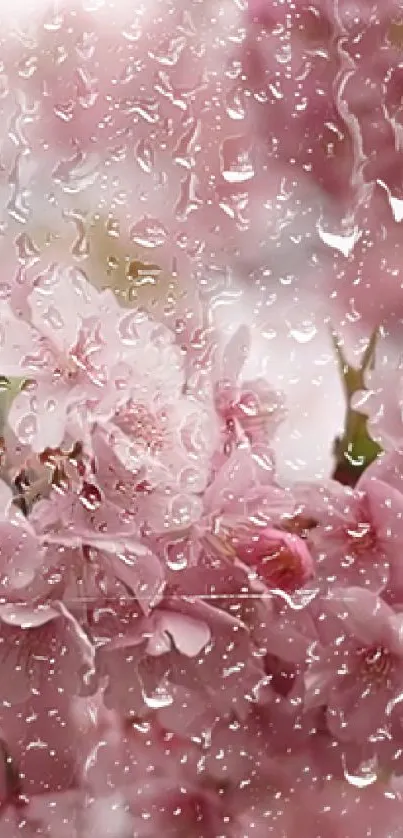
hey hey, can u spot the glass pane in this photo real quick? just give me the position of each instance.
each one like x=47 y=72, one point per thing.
x=201 y=503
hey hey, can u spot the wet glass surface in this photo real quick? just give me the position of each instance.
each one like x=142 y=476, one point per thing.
x=201 y=497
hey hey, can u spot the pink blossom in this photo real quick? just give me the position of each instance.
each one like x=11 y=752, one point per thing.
x=279 y=559
x=28 y=634
x=86 y=374
x=246 y=515
x=70 y=350
x=188 y=661
x=241 y=499
x=357 y=672
x=340 y=810
x=159 y=432
x=57 y=813
x=70 y=547
x=22 y=553
x=152 y=510
x=250 y=409
x=357 y=534
x=280 y=633
x=46 y=658
x=382 y=403
x=165 y=768
x=88 y=556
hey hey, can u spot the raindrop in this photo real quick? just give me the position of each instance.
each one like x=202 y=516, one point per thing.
x=5 y=385
x=149 y=233
x=236 y=165
x=90 y=496
x=5 y=290
x=87 y=93
x=80 y=247
x=343 y=242
x=158 y=699
x=175 y=554
x=28 y=66
x=366 y=774
x=304 y=332
x=188 y=199
x=145 y=155
x=53 y=317
x=169 y=51
x=235 y=105
x=186 y=146
x=140 y=274
x=27 y=428
x=27 y=251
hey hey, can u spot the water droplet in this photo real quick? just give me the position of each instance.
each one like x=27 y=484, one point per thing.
x=364 y=775
x=5 y=290
x=188 y=198
x=27 y=429
x=27 y=251
x=53 y=317
x=304 y=332
x=158 y=699
x=87 y=93
x=128 y=328
x=183 y=153
x=169 y=52
x=28 y=66
x=236 y=165
x=343 y=242
x=145 y=155
x=90 y=496
x=112 y=227
x=140 y=274
x=80 y=247
x=235 y=104
x=148 y=232
x=5 y=385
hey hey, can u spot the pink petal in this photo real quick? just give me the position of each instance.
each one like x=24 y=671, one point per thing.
x=235 y=354
x=364 y=614
x=59 y=302
x=136 y=566
x=26 y=617
x=39 y=418
x=189 y=636
x=18 y=341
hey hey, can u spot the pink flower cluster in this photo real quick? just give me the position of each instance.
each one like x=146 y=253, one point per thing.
x=206 y=632
x=188 y=644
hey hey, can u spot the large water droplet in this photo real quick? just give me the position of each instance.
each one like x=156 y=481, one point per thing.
x=236 y=164
x=145 y=155
x=148 y=232
x=90 y=496
x=303 y=332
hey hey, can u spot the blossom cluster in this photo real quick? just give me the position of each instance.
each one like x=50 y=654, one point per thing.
x=160 y=584
x=189 y=643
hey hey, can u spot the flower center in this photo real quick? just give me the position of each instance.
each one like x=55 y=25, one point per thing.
x=376 y=664
x=85 y=352
x=137 y=421
x=362 y=537
x=280 y=568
